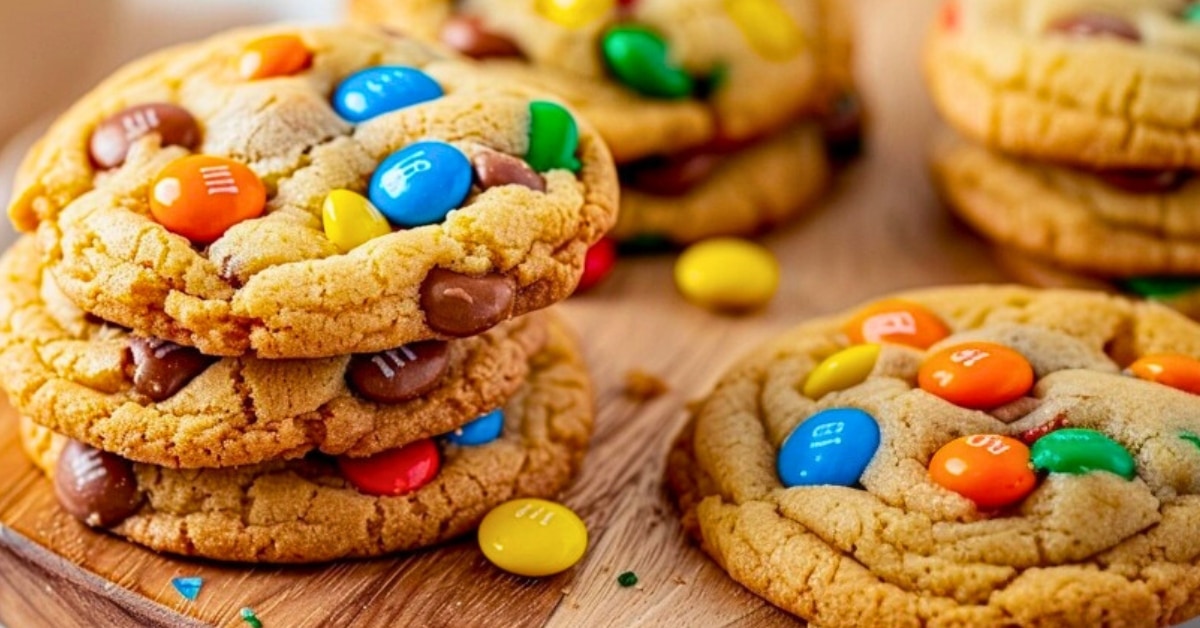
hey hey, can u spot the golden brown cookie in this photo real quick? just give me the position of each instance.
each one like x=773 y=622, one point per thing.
x=1077 y=219
x=319 y=508
x=164 y=404
x=1097 y=84
x=1001 y=456
x=706 y=105
x=188 y=197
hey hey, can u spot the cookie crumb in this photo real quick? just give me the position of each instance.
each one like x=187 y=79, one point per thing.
x=249 y=617
x=677 y=579
x=627 y=579
x=643 y=386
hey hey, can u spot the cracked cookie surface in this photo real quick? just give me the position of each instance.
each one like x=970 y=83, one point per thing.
x=1097 y=84
x=76 y=376
x=1103 y=545
x=277 y=285
x=306 y=511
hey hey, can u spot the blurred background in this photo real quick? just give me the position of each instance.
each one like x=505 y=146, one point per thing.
x=53 y=51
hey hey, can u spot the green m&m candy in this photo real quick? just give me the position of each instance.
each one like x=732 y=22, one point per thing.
x=640 y=59
x=1078 y=451
x=553 y=138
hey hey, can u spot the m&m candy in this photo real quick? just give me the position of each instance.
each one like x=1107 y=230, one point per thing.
x=598 y=263
x=898 y=322
x=573 y=13
x=727 y=274
x=278 y=55
x=110 y=142
x=1169 y=369
x=481 y=431
x=976 y=375
x=991 y=470
x=768 y=28
x=831 y=447
x=640 y=59
x=553 y=138
x=532 y=537
x=350 y=220
x=841 y=370
x=421 y=183
x=395 y=471
x=199 y=196
x=375 y=91
x=1078 y=451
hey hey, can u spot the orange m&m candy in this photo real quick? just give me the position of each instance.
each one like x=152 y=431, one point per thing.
x=896 y=321
x=200 y=196
x=278 y=55
x=976 y=375
x=1169 y=369
x=992 y=471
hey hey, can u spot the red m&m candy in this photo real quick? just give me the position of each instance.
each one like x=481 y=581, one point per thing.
x=200 y=196
x=395 y=471
x=896 y=321
x=1169 y=369
x=977 y=375
x=598 y=264
x=992 y=471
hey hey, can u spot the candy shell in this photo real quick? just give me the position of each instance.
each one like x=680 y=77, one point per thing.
x=727 y=274
x=598 y=263
x=532 y=537
x=395 y=471
x=200 y=197
x=1078 y=451
x=976 y=375
x=1169 y=369
x=553 y=138
x=831 y=447
x=278 y=55
x=421 y=183
x=898 y=322
x=573 y=13
x=350 y=219
x=375 y=91
x=481 y=431
x=639 y=58
x=846 y=368
x=768 y=27
x=988 y=469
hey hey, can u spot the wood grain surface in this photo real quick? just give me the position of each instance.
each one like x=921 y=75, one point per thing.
x=881 y=230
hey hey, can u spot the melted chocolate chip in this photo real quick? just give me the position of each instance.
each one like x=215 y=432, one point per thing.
x=842 y=127
x=96 y=487
x=110 y=141
x=467 y=35
x=1096 y=25
x=671 y=176
x=1146 y=181
x=461 y=305
x=399 y=374
x=494 y=168
x=161 y=368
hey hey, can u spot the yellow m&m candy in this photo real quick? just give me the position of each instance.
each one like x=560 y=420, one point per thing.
x=532 y=537
x=573 y=13
x=841 y=370
x=767 y=27
x=350 y=219
x=727 y=274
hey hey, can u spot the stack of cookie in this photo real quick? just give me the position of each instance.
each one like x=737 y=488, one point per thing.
x=281 y=300
x=1079 y=135
x=721 y=115
x=972 y=456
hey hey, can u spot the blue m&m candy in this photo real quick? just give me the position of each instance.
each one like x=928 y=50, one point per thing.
x=481 y=431
x=379 y=90
x=420 y=184
x=831 y=447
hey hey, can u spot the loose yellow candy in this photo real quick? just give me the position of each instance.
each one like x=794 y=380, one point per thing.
x=841 y=370
x=532 y=537
x=727 y=274
x=768 y=27
x=350 y=219
x=574 y=13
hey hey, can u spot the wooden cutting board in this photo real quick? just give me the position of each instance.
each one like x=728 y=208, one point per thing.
x=882 y=230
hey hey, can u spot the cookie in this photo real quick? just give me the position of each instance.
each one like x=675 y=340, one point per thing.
x=697 y=100
x=972 y=455
x=359 y=192
x=155 y=402
x=320 y=508
x=1103 y=225
x=1112 y=85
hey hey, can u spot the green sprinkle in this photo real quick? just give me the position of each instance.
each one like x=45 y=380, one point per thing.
x=249 y=617
x=1192 y=14
x=1160 y=287
x=627 y=579
x=1191 y=438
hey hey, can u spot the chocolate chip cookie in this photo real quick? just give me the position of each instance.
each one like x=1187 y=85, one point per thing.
x=692 y=97
x=153 y=401
x=975 y=455
x=321 y=508
x=313 y=192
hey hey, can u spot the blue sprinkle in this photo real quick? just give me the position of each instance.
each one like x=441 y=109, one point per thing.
x=188 y=587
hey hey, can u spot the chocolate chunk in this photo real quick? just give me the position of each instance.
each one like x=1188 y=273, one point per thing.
x=96 y=487
x=1096 y=25
x=1146 y=181
x=161 y=368
x=494 y=168
x=842 y=127
x=399 y=374
x=467 y=35
x=461 y=305
x=110 y=141
x=671 y=176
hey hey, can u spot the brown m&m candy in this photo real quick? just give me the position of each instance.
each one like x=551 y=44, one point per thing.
x=399 y=374
x=161 y=368
x=467 y=35
x=110 y=141
x=671 y=176
x=461 y=305
x=1146 y=181
x=493 y=168
x=1096 y=25
x=94 y=486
